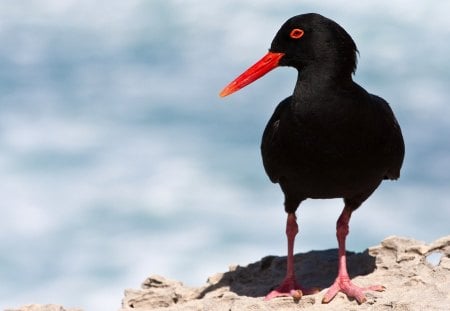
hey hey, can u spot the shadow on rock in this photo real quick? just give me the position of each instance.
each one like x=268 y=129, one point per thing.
x=313 y=269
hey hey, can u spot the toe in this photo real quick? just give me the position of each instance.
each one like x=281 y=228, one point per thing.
x=351 y=290
x=296 y=294
x=331 y=293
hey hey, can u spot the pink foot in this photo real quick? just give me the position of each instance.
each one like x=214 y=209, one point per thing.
x=344 y=285
x=290 y=288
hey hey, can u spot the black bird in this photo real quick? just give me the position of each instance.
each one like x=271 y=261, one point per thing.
x=329 y=139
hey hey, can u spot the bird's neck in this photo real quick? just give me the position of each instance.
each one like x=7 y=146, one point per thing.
x=313 y=81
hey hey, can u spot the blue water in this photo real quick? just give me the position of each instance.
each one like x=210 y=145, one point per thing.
x=118 y=159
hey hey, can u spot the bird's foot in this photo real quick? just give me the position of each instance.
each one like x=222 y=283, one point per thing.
x=290 y=288
x=344 y=285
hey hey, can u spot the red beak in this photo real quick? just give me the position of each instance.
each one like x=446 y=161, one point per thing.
x=263 y=66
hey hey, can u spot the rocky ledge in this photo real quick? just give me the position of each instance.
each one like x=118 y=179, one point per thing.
x=416 y=276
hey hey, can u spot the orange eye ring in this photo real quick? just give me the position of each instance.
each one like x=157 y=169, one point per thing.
x=296 y=33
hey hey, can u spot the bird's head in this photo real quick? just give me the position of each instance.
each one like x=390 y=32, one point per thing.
x=304 y=41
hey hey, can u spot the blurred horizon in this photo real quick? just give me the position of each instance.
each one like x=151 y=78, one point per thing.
x=118 y=159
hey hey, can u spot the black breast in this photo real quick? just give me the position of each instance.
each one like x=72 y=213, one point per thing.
x=331 y=148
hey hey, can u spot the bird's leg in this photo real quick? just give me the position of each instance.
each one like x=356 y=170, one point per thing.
x=342 y=282
x=289 y=286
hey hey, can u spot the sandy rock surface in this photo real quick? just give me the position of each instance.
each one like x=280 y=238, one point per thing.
x=416 y=277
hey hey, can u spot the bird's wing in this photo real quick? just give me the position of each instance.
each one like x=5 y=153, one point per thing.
x=395 y=146
x=270 y=145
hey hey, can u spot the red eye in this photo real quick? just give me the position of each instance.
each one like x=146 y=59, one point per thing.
x=296 y=33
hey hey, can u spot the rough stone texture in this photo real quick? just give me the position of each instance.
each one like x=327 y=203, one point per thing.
x=416 y=275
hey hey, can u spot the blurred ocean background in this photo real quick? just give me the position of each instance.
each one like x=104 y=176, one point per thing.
x=118 y=159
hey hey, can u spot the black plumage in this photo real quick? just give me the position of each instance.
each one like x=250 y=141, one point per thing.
x=330 y=138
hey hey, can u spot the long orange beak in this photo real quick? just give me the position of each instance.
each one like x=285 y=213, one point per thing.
x=263 y=66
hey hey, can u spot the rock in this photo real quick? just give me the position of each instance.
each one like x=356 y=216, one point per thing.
x=416 y=276
x=400 y=264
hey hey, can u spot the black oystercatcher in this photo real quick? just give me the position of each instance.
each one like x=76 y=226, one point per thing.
x=330 y=139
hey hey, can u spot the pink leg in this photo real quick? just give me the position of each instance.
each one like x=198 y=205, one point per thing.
x=342 y=282
x=289 y=286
